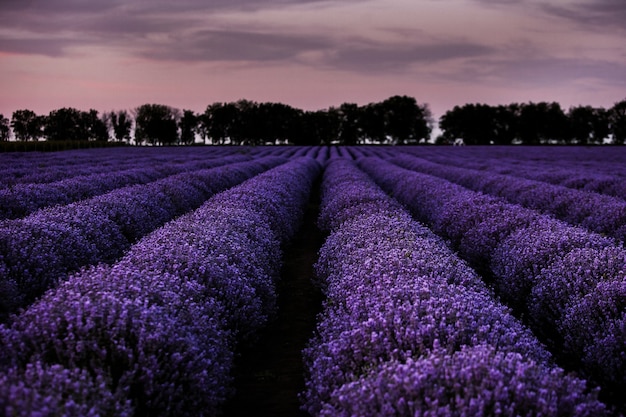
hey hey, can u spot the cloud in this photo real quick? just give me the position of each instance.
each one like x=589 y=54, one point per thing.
x=46 y=47
x=547 y=72
x=586 y=13
x=193 y=31
x=371 y=56
x=25 y=8
x=596 y=13
x=233 y=45
x=157 y=28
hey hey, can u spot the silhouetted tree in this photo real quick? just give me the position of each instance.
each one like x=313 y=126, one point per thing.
x=349 y=116
x=121 y=124
x=95 y=126
x=319 y=127
x=219 y=120
x=617 y=122
x=474 y=123
x=244 y=130
x=188 y=125
x=505 y=124
x=4 y=128
x=601 y=125
x=588 y=125
x=66 y=123
x=373 y=123
x=156 y=124
x=543 y=122
x=405 y=121
x=276 y=122
x=27 y=125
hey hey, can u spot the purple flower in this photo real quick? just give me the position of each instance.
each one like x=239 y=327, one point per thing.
x=569 y=279
x=594 y=329
x=474 y=381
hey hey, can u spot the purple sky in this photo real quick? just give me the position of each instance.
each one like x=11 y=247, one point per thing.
x=112 y=54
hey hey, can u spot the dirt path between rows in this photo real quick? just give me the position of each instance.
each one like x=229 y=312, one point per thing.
x=269 y=375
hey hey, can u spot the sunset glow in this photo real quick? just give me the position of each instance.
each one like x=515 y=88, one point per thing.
x=111 y=55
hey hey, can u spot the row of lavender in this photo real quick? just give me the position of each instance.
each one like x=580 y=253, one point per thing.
x=39 y=250
x=600 y=175
x=572 y=157
x=599 y=213
x=567 y=282
x=24 y=199
x=409 y=329
x=24 y=168
x=155 y=333
x=19 y=169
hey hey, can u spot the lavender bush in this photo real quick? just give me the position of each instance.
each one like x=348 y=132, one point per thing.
x=39 y=250
x=474 y=381
x=518 y=259
x=570 y=278
x=594 y=328
x=43 y=390
x=158 y=330
x=397 y=294
x=598 y=213
x=21 y=200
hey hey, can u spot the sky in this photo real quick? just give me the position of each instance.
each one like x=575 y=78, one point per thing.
x=311 y=54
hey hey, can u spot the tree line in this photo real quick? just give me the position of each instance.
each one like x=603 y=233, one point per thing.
x=396 y=120
x=533 y=124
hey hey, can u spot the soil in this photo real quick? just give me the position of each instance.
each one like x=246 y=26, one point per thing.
x=269 y=375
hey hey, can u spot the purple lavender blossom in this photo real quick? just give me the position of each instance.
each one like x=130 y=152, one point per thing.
x=475 y=381
x=395 y=292
x=594 y=328
x=151 y=349
x=156 y=330
x=55 y=390
x=569 y=279
x=23 y=199
x=518 y=260
x=44 y=247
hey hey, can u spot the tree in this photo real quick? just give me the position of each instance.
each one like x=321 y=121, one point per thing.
x=27 y=125
x=349 y=116
x=188 y=125
x=405 y=121
x=474 y=123
x=94 y=126
x=319 y=127
x=543 y=122
x=275 y=122
x=372 y=121
x=505 y=124
x=4 y=128
x=121 y=124
x=588 y=125
x=244 y=129
x=601 y=125
x=66 y=123
x=617 y=122
x=156 y=124
x=219 y=120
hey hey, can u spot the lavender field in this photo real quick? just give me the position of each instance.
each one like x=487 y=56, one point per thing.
x=313 y=281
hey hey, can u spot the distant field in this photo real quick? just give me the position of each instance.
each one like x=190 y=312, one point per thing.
x=324 y=281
